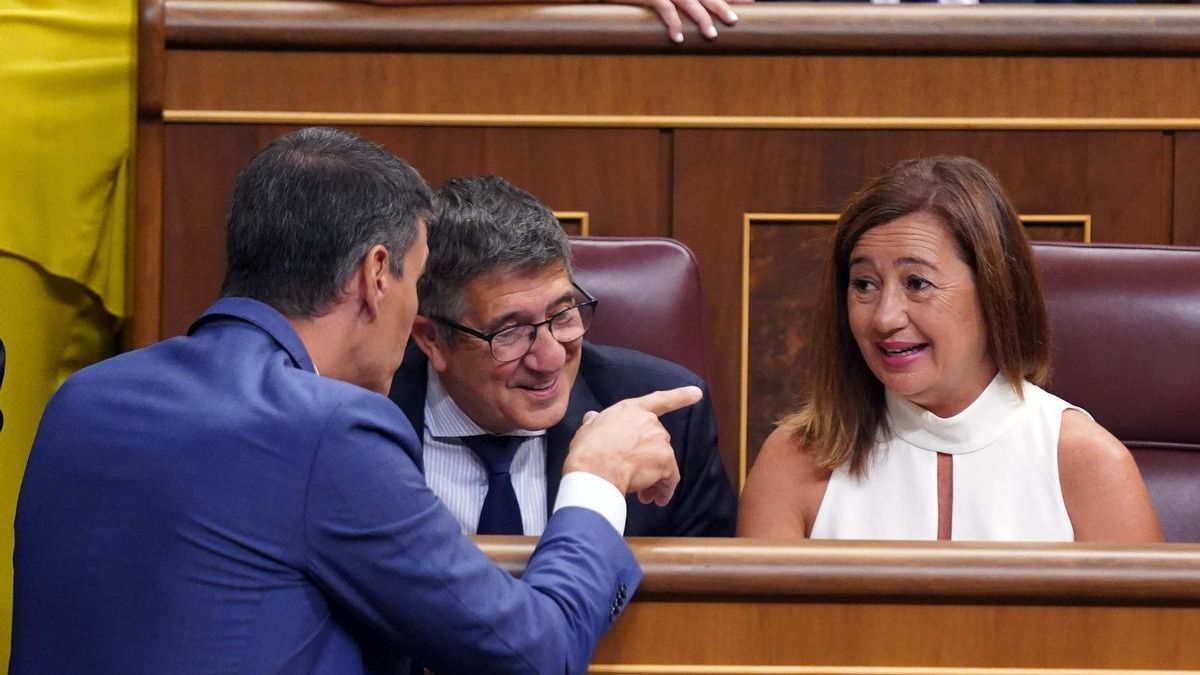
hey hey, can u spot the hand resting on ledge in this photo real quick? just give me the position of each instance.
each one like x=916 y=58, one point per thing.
x=669 y=11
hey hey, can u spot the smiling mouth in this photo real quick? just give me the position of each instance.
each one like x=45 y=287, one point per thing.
x=539 y=387
x=905 y=351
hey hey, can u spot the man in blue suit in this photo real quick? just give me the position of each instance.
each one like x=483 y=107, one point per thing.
x=501 y=351
x=245 y=499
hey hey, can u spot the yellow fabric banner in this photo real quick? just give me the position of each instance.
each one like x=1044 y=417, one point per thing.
x=67 y=93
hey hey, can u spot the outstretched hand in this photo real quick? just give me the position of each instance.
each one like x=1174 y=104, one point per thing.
x=626 y=444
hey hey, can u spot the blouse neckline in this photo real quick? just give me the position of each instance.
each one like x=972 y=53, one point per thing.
x=976 y=427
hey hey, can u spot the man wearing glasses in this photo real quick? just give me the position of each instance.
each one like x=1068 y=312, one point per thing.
x=245 y=498
x=502 y=379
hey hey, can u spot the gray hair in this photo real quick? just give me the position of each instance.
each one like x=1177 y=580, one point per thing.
x=483 y=225
x=306 y=210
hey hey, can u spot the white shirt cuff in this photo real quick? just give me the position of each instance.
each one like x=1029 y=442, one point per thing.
x=589 y=491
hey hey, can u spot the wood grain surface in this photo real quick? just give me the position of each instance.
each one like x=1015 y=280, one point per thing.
x=764 y=28
x=902 y=605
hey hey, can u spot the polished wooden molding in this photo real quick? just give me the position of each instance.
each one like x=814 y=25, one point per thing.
x=152 y=58
x=1163 y=574
x=1081 y=220
x=145 y=246
x=184 y=116
x=576 y=223
x=783 y=28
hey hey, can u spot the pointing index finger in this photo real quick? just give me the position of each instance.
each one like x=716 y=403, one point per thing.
x=663 y=402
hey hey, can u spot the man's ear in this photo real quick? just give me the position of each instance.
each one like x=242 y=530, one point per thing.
x=373 y=279
x=425 y=334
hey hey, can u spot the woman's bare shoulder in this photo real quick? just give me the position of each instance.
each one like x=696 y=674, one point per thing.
x=783 y=490
x=1103 y=490
x=1081 y=440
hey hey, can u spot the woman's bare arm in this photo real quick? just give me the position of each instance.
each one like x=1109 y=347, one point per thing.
x=1102 y=487
x=782 y=492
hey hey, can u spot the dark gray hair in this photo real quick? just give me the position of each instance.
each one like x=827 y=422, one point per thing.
x=306 y=210
x=483 y=225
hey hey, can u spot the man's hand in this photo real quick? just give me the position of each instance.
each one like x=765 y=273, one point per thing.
x=700 y=11
x=626 y=445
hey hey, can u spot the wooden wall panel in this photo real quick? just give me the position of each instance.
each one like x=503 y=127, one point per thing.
x=766 y=28
x=682 y=84
x=199 y=166
x=1121 y=180
x=785 y=271
x=590 y=109
x=845 y=635
x=616 y=177
x=877 y=608
x=1187 y=189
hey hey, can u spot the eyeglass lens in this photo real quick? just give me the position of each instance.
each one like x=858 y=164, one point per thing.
x=566 y=326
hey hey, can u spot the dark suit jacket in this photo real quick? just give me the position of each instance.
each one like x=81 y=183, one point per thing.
x=704 y=503
x=210 y=505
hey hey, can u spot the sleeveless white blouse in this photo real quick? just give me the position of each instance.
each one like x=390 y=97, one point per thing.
x=1005 y=473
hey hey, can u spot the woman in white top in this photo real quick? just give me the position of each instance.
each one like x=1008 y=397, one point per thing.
x=924 y=418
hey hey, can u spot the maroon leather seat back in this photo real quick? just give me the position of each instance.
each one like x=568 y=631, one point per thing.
x=650 y=298
x=1125 y=324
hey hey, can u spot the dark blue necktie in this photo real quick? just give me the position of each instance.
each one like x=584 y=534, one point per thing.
x=501 y=514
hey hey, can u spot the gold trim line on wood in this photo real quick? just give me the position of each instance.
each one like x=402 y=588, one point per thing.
x=744 y=354
x=678 y=121
x=1048 y=219
x=750 y=218
x=699 y=669
x=583 y=217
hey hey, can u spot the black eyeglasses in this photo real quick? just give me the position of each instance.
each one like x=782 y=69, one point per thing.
x=514 y=342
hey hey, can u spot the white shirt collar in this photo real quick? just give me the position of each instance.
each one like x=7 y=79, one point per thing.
x=444 y=419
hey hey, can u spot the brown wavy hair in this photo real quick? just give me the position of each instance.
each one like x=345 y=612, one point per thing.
x=844 y=411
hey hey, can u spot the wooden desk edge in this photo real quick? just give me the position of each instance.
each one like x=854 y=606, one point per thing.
x=799 y=28
x=1164 y=574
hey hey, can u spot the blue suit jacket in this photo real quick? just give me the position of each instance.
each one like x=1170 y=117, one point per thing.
x=210 y=505
x=704 y=504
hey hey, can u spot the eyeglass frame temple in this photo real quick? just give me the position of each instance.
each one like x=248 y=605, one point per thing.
x=592 y=301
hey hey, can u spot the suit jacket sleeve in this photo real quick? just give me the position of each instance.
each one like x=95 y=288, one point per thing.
x=708 y=505
x=381 y=544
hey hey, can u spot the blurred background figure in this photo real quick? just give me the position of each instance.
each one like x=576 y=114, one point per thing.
x=924 y=417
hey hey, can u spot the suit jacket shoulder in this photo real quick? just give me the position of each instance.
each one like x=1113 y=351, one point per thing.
x=263 y=518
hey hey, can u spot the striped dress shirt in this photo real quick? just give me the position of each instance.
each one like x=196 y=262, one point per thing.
x=457 y=476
